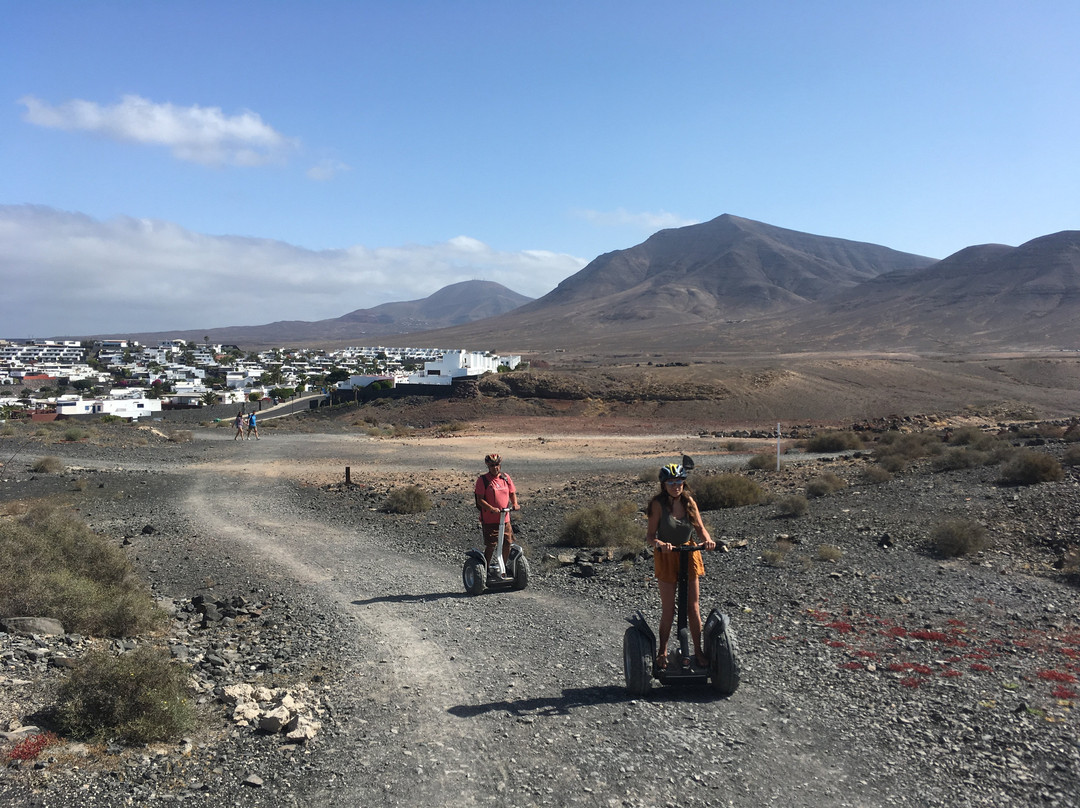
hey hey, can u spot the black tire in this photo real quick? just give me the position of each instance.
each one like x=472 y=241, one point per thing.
x=637 y=666
x=473 y=576
x=724 y=668
x=521 y=572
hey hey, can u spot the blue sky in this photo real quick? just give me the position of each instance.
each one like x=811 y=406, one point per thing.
x=181 y=165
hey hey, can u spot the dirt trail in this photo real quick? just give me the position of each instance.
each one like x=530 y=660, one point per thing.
x=513 y=698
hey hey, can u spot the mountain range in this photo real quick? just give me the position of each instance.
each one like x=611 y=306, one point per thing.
x=452 y=305
x=734 y=284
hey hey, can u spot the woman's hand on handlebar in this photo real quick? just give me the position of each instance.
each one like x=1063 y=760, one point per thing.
x=709 y=543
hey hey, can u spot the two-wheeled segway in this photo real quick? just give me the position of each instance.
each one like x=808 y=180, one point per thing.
x=478 y=574
x=718 y=643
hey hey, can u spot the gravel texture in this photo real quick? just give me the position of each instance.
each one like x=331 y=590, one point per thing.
x=887 y=676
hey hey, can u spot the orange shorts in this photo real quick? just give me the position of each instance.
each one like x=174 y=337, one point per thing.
x=666 y=566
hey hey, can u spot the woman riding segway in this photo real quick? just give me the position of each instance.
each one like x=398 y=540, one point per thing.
x=674 y=518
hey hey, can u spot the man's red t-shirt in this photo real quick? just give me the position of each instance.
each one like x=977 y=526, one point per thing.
x=496 y=491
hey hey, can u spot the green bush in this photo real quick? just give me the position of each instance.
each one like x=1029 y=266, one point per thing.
x=138 y=697
x=792 y=507
x=74 y=433
x=727 y=491
x=52 y=565
x=834 y=442
x=603 y=526
x=47 y=465
x=827 y=483
x=411 y=499
x=762 y=462
x=957 y=537
x=1029 y=468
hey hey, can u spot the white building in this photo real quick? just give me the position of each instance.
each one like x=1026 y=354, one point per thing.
x=455 y=364
x=121 y=407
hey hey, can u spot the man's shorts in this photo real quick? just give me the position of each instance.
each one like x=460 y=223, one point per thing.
x=491 y=534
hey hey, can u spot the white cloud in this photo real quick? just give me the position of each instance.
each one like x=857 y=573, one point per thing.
x=326 y=170
x=69 y=274
x=198 y=134
x=645 y=222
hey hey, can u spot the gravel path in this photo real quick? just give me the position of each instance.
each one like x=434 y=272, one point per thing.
x=889 y=677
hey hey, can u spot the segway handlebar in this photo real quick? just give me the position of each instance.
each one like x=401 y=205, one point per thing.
x=686 y=548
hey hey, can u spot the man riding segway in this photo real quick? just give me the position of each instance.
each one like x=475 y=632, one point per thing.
x=502 y=563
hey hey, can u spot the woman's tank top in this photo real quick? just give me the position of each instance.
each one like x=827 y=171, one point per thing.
x=670 y=529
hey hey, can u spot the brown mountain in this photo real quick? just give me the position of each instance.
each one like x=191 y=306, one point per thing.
x=725 y=268
x=988 y=297
x=452 y=305
x=683 y=286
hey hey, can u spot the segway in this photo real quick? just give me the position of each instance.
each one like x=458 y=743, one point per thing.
x=718 y=643
x=478 y=575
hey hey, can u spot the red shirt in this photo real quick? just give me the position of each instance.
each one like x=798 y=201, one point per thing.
x=496 y=491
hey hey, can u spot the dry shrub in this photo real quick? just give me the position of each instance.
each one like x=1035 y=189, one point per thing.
x=766 y=461
x=829 y=552
x=1071 y=456
x=48 y=465
x=961 y=457
x=727 y=491
x=411 y=499
x=974 y=438
x=875 y=475
x=647 y=475
x=778 y=555
x=957 y=537
x=827 y=483
x=907 y=446
x=139 y=697
x=180 y=436
x=792 y=507
x=1029 y=468
x=834 y=442
x=603 y=526
x=1070 y=562
x=53 y=565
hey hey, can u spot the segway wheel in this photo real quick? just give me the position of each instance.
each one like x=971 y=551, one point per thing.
x=637 y=666
x=473 y=576
x=724 y=668
x=521 y=572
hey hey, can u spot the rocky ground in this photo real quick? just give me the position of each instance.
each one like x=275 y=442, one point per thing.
x=874 y=671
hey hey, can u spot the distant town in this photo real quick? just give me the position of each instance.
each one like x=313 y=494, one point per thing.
x=124 y=379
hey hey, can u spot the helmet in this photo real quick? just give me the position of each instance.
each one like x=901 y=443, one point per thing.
x=672 y=471
x=492 y=459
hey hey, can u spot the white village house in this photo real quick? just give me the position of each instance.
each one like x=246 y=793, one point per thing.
x=138 y=407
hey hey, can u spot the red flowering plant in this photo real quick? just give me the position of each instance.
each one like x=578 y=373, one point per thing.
x=32 y=745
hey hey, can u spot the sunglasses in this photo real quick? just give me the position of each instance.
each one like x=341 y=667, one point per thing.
x=674 y=482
